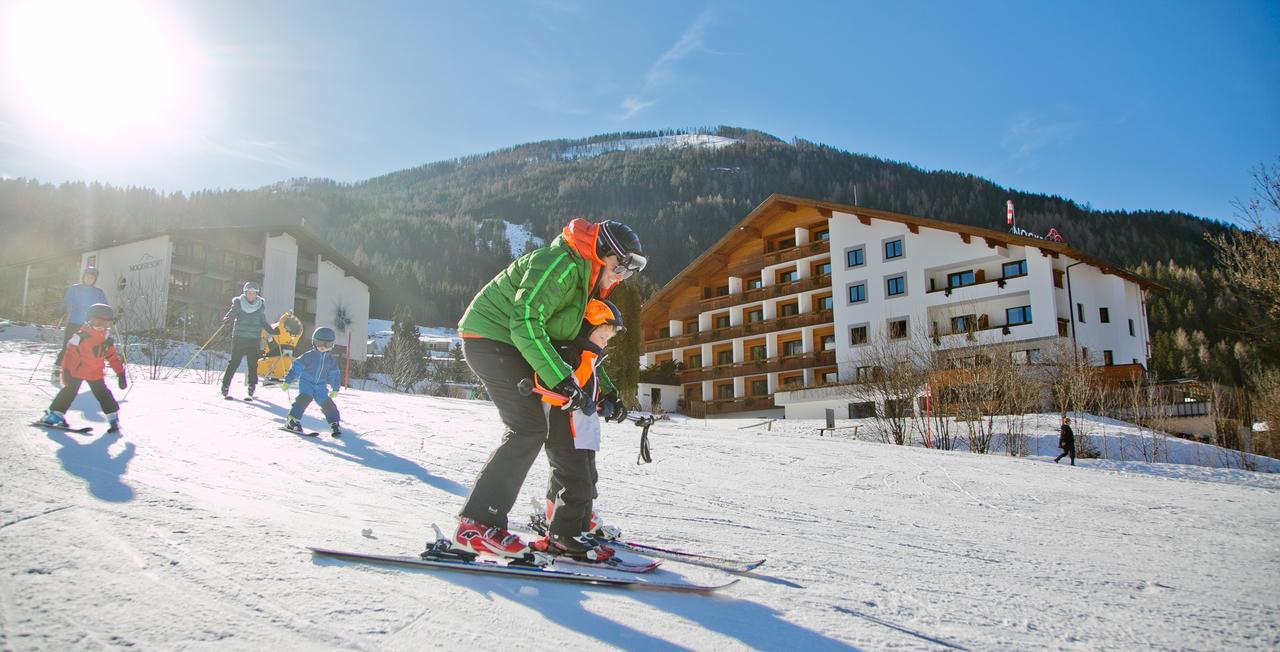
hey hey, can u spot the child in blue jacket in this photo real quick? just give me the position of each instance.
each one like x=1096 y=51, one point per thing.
x=316 y=372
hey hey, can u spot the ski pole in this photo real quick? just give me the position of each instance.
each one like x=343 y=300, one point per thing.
x=202 y=347
x=42 y=352
x=527 y=387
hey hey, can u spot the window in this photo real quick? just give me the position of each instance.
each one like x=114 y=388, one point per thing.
x=695 y=361
x=858 y=335
x=1104 y=315
x=1019 y=315
x=1062 y=328
x=1028 y=356
x=959 y=279
x=665 y=331
x=792 y=382
x=963 y=323
x=1016 y=268
x=855 y=257
x=1057 y=278
x=759 y=352
x=862 y=410
x=691 y=327
x=754 y=315
x=754 y=284
x=1084 y=354
x=722 y=321
x=820 y=269
x=724 y=391
x=789 y=309
x=724 y=357
x=794 y=347
x=1107 y=358
x=1131 y=329
x=863 y=374
x=722 y=291
x=897 y=328
x=858 y=293
x=822 y=236
x=1080 y=312
x=827 y=342
x=787 y=276
x=785 y=243
x=825 y=302
x=759 y=387
x=895 y=286
x=830 y=377
x=893 y=249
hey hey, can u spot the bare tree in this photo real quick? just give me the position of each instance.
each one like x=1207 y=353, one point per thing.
x=890 y=373
x=1076 y=390
x=403 y=358
x=1251 y=258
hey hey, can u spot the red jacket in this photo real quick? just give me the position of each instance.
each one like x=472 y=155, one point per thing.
x=87 y=351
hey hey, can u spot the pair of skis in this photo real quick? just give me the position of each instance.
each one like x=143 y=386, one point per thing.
x=83 y=430
x=444 y=556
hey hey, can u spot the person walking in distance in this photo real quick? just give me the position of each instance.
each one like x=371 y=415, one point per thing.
x=507 y=336
x=1066 y=441
x=249 y=314
x=75 y=303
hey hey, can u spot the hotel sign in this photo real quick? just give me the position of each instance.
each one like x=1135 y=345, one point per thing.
x=1052 y=235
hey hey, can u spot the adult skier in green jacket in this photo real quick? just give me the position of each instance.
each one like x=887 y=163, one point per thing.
x=507 y=336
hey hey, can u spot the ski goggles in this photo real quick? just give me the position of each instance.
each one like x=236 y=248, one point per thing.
x=629 y=264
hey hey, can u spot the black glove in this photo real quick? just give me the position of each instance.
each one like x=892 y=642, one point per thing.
x=612 y=408
x=569 y=389
x=120 y=380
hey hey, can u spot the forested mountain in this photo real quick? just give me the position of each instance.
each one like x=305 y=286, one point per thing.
x=435 y=233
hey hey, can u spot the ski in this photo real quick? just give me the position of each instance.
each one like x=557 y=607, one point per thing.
x=519 y=570
x=300 y=432
x=82 y=430
x=538 y=523
x=635 y=564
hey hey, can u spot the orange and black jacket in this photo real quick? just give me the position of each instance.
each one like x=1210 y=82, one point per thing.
x=88 y=351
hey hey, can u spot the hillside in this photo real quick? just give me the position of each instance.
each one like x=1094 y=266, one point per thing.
x=194 y=536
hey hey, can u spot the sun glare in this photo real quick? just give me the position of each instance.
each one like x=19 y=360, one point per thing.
x=95 y=73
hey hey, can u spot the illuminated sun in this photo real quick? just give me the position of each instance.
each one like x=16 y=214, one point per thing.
x=97 y=71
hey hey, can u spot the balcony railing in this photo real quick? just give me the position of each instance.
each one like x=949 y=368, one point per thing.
x=742 y=330
x=769 y=292
x=701 y=409
x=797 y=252
x=1000 y=280
x=761 y=366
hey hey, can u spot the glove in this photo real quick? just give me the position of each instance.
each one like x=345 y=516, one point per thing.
x=613 y=409
x=122 y=382
x=333 y=393
x=284 y=386
x=569 y=389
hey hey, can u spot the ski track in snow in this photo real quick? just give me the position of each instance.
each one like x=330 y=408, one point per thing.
x=189 y=531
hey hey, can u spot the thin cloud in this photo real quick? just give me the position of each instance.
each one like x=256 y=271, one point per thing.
x=662 y=73
x=1026 y=137
x=268 y=152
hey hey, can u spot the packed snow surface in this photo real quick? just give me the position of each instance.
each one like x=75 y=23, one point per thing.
x=679 y=141
x=190 y=531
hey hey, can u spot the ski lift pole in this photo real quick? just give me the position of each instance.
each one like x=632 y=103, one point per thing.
x=202 y=347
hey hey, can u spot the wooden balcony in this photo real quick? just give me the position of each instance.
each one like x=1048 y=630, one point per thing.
x=999 y=280
x=703 y=409
x=762 y=366
x=768 y=292
x=732 y=332
x=797 y=252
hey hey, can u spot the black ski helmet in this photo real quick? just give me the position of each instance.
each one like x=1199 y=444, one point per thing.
x=323 y=334
x=101 y=310
x=616 y=238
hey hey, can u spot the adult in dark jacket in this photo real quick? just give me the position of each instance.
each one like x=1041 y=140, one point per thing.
x=75 y=304
x=1066 y=441
x=249 y=313
x=507 y=337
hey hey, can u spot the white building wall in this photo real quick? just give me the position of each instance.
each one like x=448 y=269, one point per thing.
x=668 y=396
x=356 y=296
x=335 y=290
x=1094 y=290
x=135 y=278
x=279 y=274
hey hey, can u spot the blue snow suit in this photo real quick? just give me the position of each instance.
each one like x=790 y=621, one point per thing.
x=316 y=373
x=77 y=300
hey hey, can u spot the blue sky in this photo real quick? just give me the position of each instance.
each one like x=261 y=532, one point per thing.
x=1120 y=105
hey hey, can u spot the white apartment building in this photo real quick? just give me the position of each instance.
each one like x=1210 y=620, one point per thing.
x=782 y=312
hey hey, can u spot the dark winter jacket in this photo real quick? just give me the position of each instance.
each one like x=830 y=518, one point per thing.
x=77 y=300
x=87 y=351
x=1066 y=438
x=315 y=372
x=250 y=318
x=540 y=297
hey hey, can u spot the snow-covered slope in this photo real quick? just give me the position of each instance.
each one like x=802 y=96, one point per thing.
x=679 y=141
x=190 y=530
x=435 y=337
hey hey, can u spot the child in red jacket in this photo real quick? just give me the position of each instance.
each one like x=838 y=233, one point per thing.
x=85 y=354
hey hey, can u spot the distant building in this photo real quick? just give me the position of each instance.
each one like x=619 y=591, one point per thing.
x=184 y=279
x=783 y=309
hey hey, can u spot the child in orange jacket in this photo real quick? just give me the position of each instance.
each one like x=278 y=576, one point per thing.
x=83 y=359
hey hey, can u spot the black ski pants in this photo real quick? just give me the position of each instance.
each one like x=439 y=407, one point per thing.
x=500 y=367
x=572 y=486
x=1070 y=450
x=71 y=387
x=243 y=348
x=66 y=337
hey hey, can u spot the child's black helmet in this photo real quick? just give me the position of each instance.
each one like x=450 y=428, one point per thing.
x=324 y=334
x=100 y=310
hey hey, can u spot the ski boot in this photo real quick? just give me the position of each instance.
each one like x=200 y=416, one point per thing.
x=251 y=388
x=293 y=424
x=580 y=548
x=55 y=419
x=225 y=391
x=473 y=536
x=335 y=431
x=113 y=422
